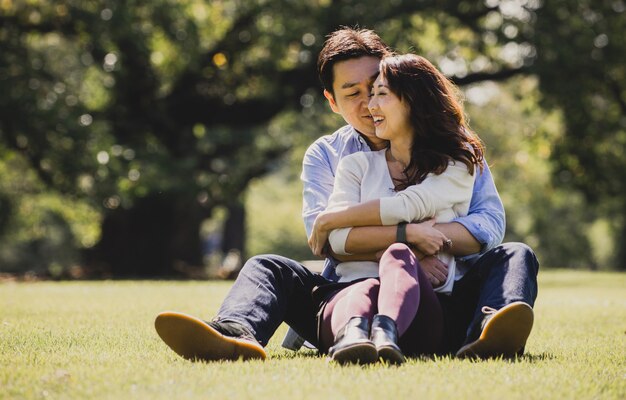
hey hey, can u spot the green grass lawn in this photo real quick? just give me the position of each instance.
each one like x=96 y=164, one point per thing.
x=96 y=340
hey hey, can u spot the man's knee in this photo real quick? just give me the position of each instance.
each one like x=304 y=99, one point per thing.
x=258 y=261
x=517 y=247
x=267 y=264
x=523 y=255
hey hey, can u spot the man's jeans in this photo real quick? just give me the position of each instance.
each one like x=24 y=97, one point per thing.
x=271 y=289
x=503 y=275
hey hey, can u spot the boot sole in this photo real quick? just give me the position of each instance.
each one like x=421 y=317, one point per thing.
x=358 y=353
x=505 y=334
x=390 y=355
x=192 y=339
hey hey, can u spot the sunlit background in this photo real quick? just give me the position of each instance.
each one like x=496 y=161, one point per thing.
x=164 y=137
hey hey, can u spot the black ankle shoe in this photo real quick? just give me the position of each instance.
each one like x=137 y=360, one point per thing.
x=385 y=338
x=352 y=344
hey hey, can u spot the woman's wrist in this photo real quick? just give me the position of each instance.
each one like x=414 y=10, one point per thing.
x=325 y=221
x=414 y=235
x=410 y=233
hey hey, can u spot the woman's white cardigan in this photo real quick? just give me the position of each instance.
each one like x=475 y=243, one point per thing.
x=364 y=176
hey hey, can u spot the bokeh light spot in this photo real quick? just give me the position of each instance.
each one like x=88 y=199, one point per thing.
x=103 y=157
x=134 y=175
x=106 y=14
x=85 y=120
x=220 y=60
x=199 y=131
x=112 y=202
x=308 y=39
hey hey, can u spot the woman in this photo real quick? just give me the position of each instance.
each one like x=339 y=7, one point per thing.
x=427 y=171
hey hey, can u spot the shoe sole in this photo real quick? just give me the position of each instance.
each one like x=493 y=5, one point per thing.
x=390 y=355
x=358 y=353
x=192 y=339
x=505 y=334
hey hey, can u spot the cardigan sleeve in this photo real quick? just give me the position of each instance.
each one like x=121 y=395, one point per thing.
x=346 y=192
x=435 y=193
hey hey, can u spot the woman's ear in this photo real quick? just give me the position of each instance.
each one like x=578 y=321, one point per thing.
x=331 y=100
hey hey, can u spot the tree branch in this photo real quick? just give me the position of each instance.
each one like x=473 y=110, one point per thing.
x=497 y=76
x=615 y=88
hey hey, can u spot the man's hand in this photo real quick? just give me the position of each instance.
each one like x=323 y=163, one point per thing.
x=426 y=238
x=435 y=270
x=319 y=236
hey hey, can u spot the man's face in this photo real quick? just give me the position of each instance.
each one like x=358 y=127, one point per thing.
x=352 y=82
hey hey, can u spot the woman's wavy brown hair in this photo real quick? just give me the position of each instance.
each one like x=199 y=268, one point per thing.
x=441 y=132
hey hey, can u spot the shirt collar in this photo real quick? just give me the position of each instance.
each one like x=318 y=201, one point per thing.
x=360 y=142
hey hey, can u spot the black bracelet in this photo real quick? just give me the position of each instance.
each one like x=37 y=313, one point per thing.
x=401 y=233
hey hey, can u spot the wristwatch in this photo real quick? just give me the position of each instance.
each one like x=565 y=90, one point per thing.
x=401 y=233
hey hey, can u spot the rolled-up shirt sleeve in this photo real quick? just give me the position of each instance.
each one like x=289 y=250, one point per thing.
x=317 y=180
x=450 y=189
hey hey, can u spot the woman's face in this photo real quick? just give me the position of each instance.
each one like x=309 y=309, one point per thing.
x=390 y=114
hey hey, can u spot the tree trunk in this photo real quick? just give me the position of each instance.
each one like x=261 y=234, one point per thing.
x=158 y=236
x=233 y=241
x=620 y=243
x=234 y=229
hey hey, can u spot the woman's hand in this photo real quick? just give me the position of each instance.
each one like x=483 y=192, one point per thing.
x=319 y=235
x=426 y=238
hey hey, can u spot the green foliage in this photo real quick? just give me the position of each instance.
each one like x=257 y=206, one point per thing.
x=97 y=340
x=587 y=80
x=41 y=231
x=132 y=104
x=274 y=206
x=519 y=138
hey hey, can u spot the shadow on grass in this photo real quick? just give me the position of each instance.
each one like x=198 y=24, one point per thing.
x=526 y=358
x=534 y=357
x=292 y=355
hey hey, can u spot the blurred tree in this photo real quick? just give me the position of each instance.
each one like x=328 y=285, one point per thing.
x=581 y=65
x=518 y=135
x=41 y=231
x=157 y=112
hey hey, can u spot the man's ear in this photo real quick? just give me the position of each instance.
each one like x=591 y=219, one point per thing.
x=331 y=100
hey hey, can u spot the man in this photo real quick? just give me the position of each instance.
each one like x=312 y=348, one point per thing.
x=489 y=311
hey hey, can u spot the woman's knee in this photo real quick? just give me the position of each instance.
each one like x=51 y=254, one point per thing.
x=398 y=255
x=358 y=297
x=398 y=247
x=368 y=287
x=398 y=251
